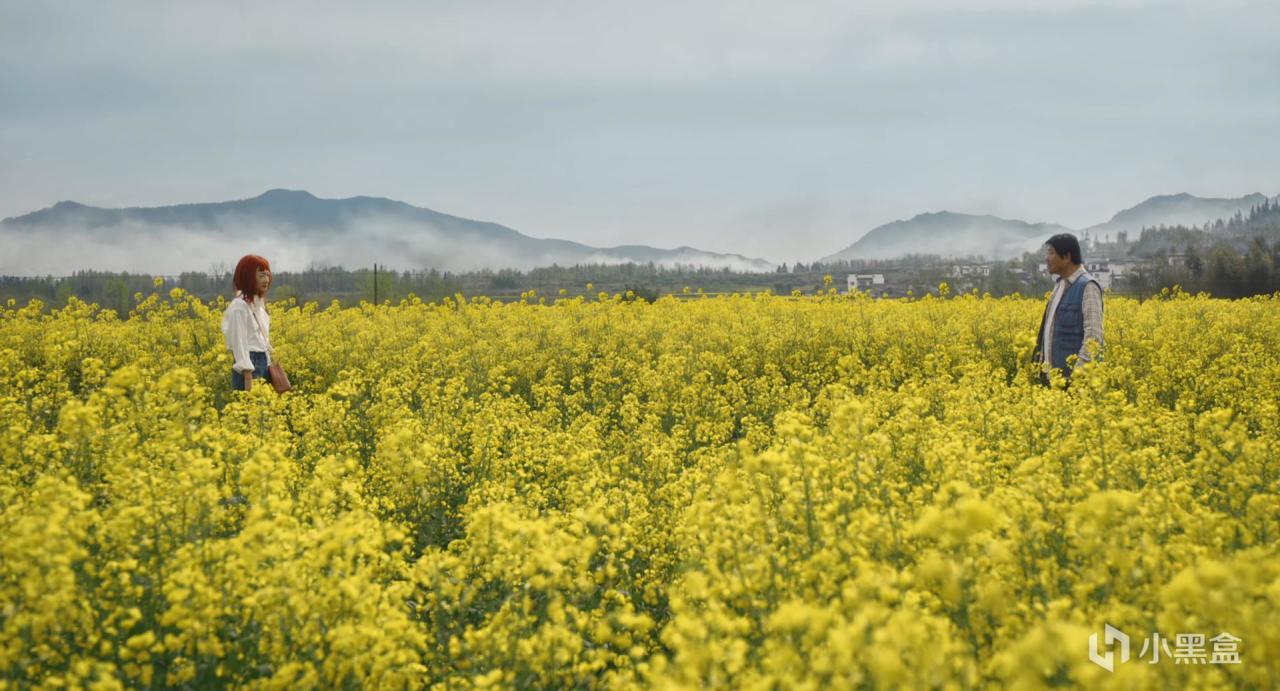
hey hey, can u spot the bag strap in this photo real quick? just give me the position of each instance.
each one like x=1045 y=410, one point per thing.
x=254 y=311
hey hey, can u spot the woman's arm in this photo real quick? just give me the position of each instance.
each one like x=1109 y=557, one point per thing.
x=236 y=326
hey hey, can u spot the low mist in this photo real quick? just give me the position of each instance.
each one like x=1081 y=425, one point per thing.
x=391 y=242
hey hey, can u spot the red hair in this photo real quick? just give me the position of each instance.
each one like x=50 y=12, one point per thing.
x=245 y=279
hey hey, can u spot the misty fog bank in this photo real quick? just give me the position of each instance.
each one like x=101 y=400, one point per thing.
x=389 y=242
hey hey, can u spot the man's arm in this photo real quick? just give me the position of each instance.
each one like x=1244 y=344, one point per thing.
x=1092 y=308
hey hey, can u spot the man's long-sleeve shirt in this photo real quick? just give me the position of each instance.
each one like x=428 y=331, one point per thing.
x=1091 y=306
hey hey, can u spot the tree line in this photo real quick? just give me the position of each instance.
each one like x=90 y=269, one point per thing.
x=1231 y=257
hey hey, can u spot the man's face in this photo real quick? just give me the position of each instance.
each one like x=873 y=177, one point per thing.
x=1053 y=261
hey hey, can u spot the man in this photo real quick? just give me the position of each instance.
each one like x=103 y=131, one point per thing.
x=1073 y=318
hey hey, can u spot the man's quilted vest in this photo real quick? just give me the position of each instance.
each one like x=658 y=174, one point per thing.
x=1068 y=324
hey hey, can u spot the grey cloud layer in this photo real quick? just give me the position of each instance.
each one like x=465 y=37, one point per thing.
x=662 y=123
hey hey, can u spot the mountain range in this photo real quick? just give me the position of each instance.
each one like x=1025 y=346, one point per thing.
x=955 y=234
x=1176 y=210
x=950 y=235
x=304 y=230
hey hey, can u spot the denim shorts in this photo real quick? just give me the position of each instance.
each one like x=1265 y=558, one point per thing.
x=260 y=373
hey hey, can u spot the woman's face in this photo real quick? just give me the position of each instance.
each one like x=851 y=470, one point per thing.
x=264 y=281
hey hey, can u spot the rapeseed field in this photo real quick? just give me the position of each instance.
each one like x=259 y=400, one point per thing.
x=747 y=491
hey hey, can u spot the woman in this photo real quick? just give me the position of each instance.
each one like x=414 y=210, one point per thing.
x=246 y=324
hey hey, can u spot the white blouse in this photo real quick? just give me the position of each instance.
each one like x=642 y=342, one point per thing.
x=241 y=331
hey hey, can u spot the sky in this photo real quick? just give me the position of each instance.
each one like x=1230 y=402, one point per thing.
x=780 y=130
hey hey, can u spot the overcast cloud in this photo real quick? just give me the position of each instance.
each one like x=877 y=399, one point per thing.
x=772 y=129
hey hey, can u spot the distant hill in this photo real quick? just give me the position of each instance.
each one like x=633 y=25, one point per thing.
x=955 y=235
x=1176 y=210
x=300 y=228
x=951 y=235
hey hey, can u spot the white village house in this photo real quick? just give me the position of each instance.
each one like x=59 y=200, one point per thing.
x=1108 y=270
x=1102 y=272
x=864 y=281
x=961 y=270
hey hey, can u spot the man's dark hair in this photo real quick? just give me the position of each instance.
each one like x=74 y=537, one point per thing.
x=1066 y=244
